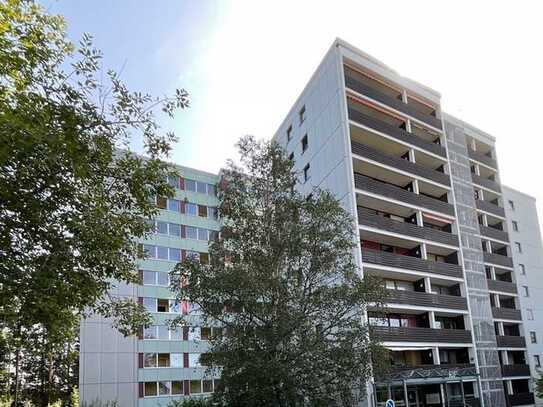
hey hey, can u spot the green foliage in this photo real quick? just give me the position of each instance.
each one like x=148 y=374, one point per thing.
x=73 y=198
x=283 y=283
x=193 y=402
x=539 y=386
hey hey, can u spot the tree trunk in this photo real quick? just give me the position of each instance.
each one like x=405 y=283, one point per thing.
x=17 y=357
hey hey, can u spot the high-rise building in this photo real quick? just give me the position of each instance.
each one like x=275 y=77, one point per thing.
x=424 y=189
x=432 y=220
x=161 y=362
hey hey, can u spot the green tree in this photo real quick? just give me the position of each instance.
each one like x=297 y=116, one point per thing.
x=283 y=284
x=73 y=198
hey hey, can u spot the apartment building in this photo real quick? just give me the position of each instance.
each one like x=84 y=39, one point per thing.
x=523 y=222
x=458 y=252
x=424 y=189
x=161 y=363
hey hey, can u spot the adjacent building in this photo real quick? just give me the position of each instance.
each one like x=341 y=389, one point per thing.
x=459 y=253
x=523 y=222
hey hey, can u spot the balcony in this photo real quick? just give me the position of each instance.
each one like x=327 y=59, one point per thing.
x=482 y=158
x=486 y=183
x=399 y=194
x=502 y=286
x=521 y=399
x=510 y=341
x=397 y=104
x=506 y=313
x=424 y=299
x=401 y=334
x=381 y=258
x=498 y=259
x=494 y=233
x=430 y=371
x=396 y=132
x=399 y=163
x=367 y=218
x=515 y=370
x=490 y=208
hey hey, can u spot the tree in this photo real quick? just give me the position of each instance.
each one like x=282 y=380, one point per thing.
x=539 y=386
x=283 y=284
x=74 y=199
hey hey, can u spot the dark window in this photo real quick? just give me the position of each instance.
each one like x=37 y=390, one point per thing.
x=307 y=173
x=515 y=225
x=291 y=156
x=305 y=143
x=512 y=205
x=533 y=337
x=289 y=133
x=301 y=114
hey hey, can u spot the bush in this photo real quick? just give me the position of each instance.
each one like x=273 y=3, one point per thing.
x=193 y=402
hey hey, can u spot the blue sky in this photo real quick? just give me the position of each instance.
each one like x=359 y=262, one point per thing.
x=245 y=62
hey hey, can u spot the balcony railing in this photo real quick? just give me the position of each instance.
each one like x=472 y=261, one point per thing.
x=498 y=259
x=490 y=208
x=494 y=233
x=397 y=104
x=502 y=286
x=487 y=183
x=381 y=258
x=429 y=371
x=506 y=313
x=521 y=399
x=401 y=334
x=482 y=158
x=424 y=299
x=399 y=194
x=399 y=163
x=509 y=341
x=367 y=218
x=396 y=132
x=515 y=370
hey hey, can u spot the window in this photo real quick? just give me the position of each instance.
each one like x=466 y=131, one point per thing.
x=176 y=360
x=194 y=360
x=515 y=225
x=164 y=388
x=511 y=205
x=177 y=387
x=149 y=250
x=150 y=333
x=149 y=304
x=190 y=185
x=162 y=278
x=525 y=291
x=163 y=305
x=301 y=114
x=207 y=386
x=163 y=360
x=162 y=252
x=522 y=268
x=173 y=205
x=211 y=212
x=289 y=133
x=291 y=156
x=194 y=333
x=174 y=229
x=518 y=247
x=173 y=181
x=202 y=211
x=192 y=232
x=203 y=234
x=162 y=228
x=150 y=389
x=201 y=188
x=161 y=202
x=163 y=332
x=205 y=333
x=529 y=314
x=175 y=254
x=537 y=361
x=176 y=334
x=195 y=386
x=149 y=278
x=307 y=173
x=211 y=190
x=149 y=360
x=305 y=143
x=533 y=337
x=191 y=209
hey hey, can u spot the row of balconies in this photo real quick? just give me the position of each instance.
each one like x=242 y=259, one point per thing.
x=367 y=90
x=367 y=218
x=390 y=191
x=396 y=132
x=482 y=158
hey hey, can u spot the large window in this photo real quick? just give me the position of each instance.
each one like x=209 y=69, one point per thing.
x=200 y=187
x=533 y=337
x=191 y=209
x=160 y=278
